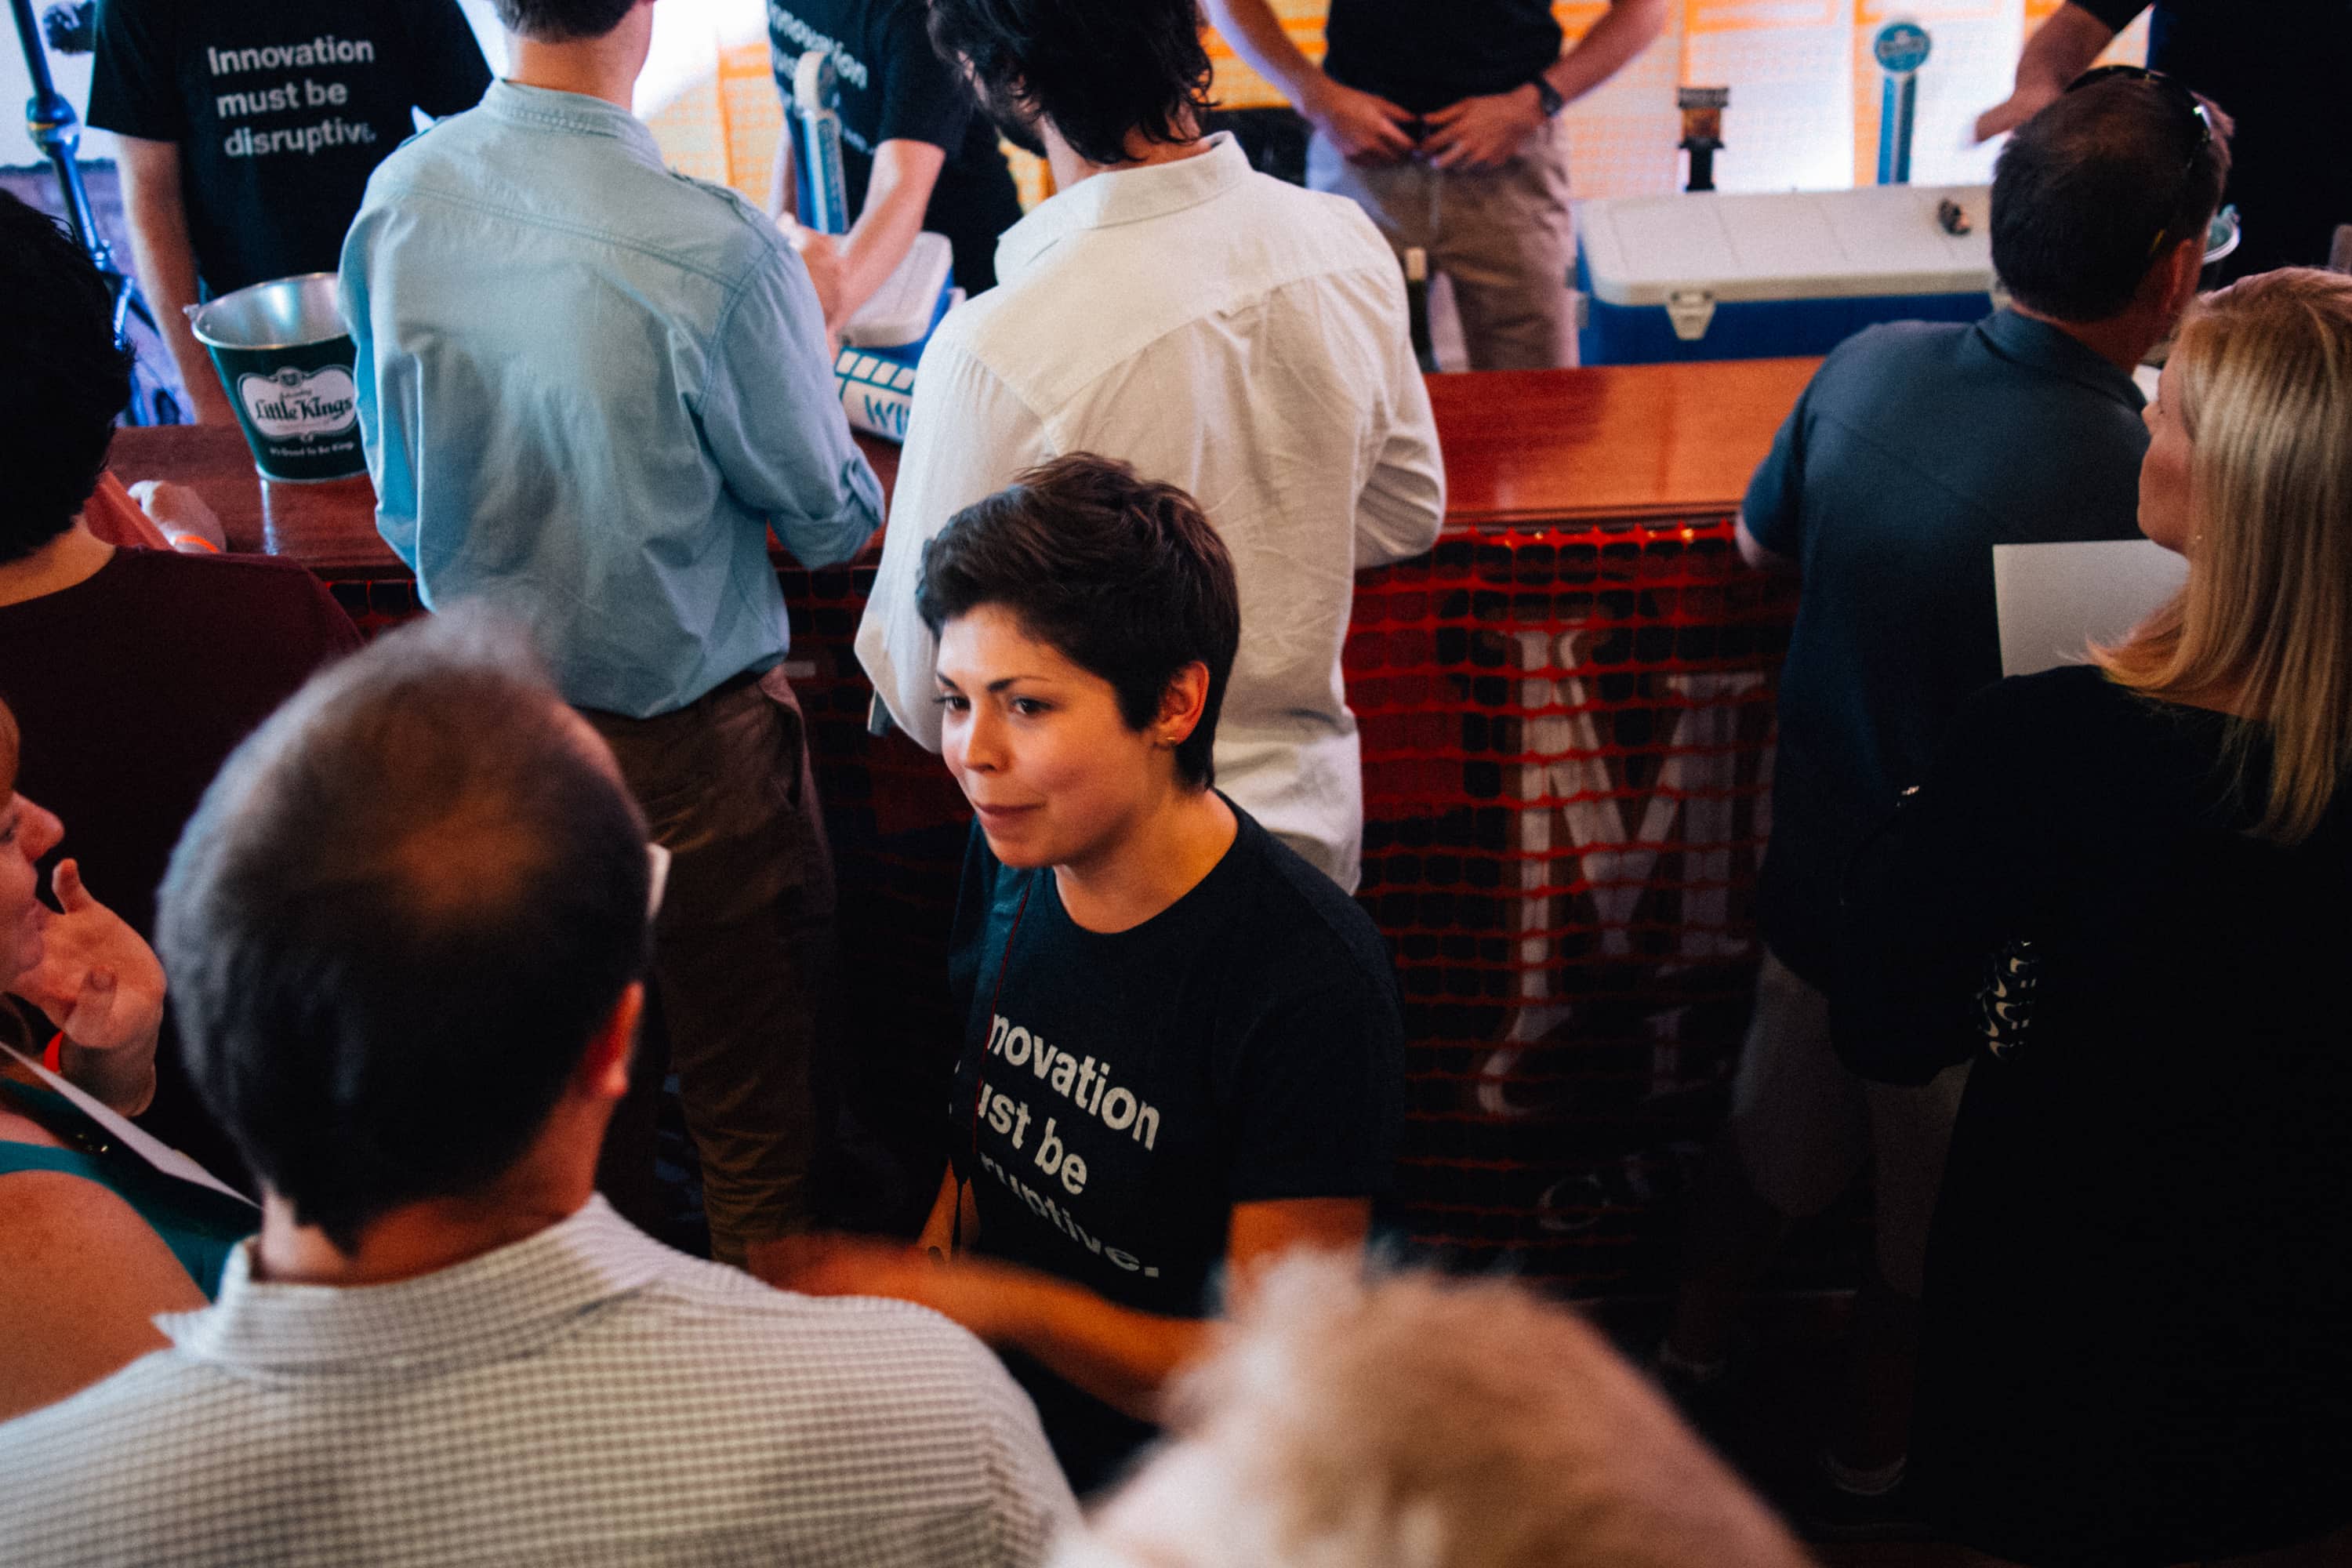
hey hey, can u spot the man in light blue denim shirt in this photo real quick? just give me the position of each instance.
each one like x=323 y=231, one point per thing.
x=588 y=389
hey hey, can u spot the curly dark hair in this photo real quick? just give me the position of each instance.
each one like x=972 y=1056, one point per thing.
x=1101 y=70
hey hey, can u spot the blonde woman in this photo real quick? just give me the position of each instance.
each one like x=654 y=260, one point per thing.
x=2125 y=890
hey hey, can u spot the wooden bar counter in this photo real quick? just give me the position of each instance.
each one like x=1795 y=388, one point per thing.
x=1565 y=713
x=1521 y=447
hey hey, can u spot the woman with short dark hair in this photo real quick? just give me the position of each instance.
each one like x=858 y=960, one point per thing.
x=1182 y=1048
x=2122 y=891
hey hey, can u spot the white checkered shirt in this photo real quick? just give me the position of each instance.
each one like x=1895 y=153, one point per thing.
x=584 y=1396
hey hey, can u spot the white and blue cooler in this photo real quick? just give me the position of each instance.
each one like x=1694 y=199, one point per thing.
x=1705 y=275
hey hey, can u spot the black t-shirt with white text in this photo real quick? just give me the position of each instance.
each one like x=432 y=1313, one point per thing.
x=1423 y=57
x=2283 y=70
x=895 y=87
x=281 y=109
x=1245 y=1045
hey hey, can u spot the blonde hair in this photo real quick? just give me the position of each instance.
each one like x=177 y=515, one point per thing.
x=2261 y=383
x=1423 y=1421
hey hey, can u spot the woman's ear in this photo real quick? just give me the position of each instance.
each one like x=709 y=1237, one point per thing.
x=1182 y=704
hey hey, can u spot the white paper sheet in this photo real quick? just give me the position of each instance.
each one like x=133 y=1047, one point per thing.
x=2054 y=600
x=148 y=1147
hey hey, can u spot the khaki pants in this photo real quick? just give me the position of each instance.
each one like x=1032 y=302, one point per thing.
x=1803 y=1123
x=1501 y=237
x=744 y=947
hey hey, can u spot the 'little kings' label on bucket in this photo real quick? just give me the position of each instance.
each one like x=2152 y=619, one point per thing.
x=293 y=404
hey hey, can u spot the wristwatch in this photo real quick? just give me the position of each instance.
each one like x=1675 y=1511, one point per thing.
x=1547 y=97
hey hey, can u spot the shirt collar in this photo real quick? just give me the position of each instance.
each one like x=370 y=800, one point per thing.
x=1119 y=196
x=490 y=1308
x=2024 y=341
x=576 y=113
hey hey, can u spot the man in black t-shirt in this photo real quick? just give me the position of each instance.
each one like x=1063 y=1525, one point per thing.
x=915 y=155
x=247 y=131
x=1442 y=124
x=2281 y=69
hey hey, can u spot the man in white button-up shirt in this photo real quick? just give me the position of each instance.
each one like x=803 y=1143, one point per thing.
x=405 y=932
x=1222 y=331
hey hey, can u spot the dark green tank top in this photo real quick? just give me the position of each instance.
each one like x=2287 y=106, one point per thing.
x=199 y=1224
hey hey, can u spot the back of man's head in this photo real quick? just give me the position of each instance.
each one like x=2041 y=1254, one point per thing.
x=1420 y=1421
x=1102 y=72
x=63 y=378
x=400 y=914
x=2098 y=188
x=563 y=21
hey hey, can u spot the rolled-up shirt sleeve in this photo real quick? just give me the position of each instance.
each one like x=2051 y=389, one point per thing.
x=924 y=98
x=968 y=436
x=1403 y=505
x=132 y=89
x=771 y=416
x=1773 y=510
x=386 y=394
x=450 y=75
x=2116 y=13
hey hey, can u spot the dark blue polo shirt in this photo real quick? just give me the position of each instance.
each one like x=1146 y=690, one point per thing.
x=1917 y=447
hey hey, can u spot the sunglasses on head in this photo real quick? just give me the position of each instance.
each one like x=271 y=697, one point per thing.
x=2194 y=108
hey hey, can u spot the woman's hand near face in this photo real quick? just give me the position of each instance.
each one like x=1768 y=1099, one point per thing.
x=99 y=982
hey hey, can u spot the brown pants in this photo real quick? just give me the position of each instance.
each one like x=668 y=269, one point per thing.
x=744 y=947
x=1501 y=237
